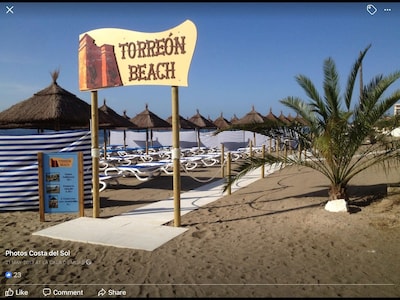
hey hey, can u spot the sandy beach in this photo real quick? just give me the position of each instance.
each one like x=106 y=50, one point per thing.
x=272 y=238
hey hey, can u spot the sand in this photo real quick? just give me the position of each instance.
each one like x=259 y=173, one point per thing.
x=272 y=238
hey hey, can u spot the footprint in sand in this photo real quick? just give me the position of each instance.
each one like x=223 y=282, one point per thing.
x=199 y=234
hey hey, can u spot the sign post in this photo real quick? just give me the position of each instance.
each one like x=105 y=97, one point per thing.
x=95 y=155
x=176 y=156
x=112 y=57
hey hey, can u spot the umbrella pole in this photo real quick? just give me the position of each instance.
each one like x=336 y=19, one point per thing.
x=105 y=143
x=198 y=138
x=95 y=155
x=147 y=141
x=176 y=157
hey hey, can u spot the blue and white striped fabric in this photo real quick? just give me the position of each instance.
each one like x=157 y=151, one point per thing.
x=19 y=189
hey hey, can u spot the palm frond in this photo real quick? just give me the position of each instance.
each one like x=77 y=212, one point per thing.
x=331 y=88
x=317 y=103
x=349 y=89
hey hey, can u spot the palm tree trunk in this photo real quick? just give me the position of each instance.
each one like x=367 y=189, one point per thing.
x=338 y=191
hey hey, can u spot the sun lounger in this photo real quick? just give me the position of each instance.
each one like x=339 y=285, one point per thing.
x=104 y=180
x=208 y=160
x=135 y=157
x=142 y=171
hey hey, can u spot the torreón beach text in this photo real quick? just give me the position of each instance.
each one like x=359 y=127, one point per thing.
x=165 y=47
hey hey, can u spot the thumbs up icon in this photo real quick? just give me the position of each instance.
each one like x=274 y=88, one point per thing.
x=9 y=293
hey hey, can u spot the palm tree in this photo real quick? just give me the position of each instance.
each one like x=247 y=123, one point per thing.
x=335 y=139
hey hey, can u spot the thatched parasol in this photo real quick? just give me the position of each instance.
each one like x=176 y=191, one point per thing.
x=117 y=122
x=149 y=120
x=271 y=116
x=290 y=118
x=221 y=122
x=52 y=108
x=202 y=122
x=234 y=119
x=284 y=119
x=183 y=123
x=299 y=120
x=251 y=117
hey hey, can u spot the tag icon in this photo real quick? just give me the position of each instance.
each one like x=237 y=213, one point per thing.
x=371 y=9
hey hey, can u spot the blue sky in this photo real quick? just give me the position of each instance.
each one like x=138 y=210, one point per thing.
x=247 y=54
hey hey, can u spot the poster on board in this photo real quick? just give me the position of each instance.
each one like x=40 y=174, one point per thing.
x=61 y=182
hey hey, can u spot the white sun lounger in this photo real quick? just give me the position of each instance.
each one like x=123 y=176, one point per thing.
x=104 y=181
x=142 y=171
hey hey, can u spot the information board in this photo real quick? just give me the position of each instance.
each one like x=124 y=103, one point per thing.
x=60 y=182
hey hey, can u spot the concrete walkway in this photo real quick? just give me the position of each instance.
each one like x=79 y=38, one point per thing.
x=143 y=227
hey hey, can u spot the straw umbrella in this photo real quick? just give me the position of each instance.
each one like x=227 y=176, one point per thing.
x=251 y=117
x=221 y=122
x=290 y=118
x=149 y=120
x=271 y=116
x=52 y=108
x=284 y=119
x=234 y=119
x=183 y=123
x=117 y=122
x=129 y=119
x=201 y=123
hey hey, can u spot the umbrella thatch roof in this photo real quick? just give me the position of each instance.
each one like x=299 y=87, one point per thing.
x=52 y=108
x=117 y=121
x=271 y=116
x=234 y=119
x=299 y=120
x=284 y=119
x=251 y=117
x=148 y=119
x=183 y=123
x=201 y=122
x=125 y=115
x=290 y=118
x=221 y=122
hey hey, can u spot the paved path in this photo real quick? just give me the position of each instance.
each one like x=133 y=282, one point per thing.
x=143 y=227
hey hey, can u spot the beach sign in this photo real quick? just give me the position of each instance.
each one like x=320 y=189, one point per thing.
x=60 y=183
x=112 y=57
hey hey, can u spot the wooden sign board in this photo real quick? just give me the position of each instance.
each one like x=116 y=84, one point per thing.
x=111 y=57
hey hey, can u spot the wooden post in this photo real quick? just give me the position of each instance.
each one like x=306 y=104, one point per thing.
x=228 y=165
x=95 y=155
x=300 y=149
x=41 y=193
x=222 y=160
x=263 y=166
x=105 y=143
x=277 y=144
x=81 y=185
x=285 y=144
x=176 y=156
x=270 y=145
